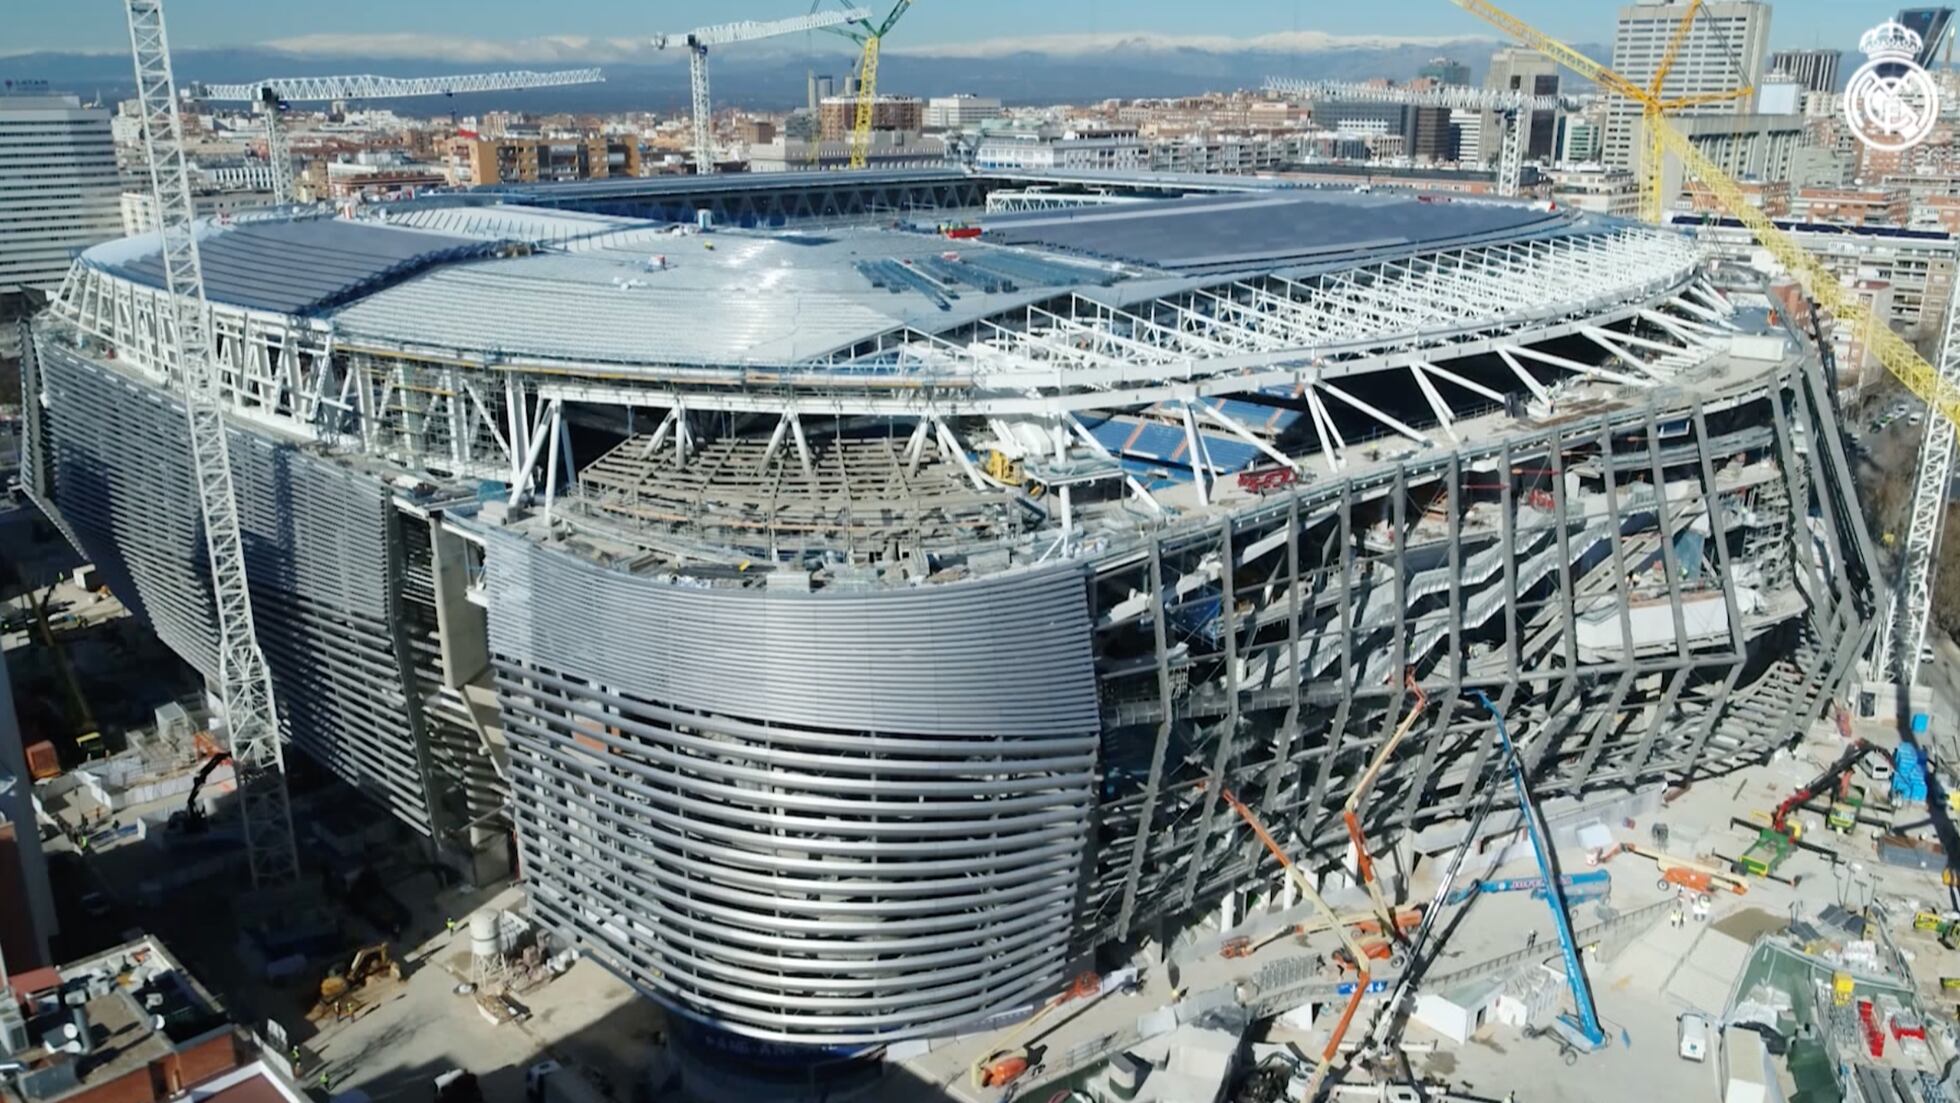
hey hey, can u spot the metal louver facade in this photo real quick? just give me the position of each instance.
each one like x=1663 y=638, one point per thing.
x=809 y=816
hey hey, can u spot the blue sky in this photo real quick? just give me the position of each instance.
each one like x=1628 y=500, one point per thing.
x=95 y=24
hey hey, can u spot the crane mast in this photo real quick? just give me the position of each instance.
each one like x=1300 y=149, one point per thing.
x=269 y=96
x=697 y=42
x=1512 y=107
x=1903 y=621
x=244 y=681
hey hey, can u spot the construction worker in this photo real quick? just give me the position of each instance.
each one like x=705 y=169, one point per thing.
x=449 y=925
x=1531 y=940
x=326 y=1081
x=296 y=1057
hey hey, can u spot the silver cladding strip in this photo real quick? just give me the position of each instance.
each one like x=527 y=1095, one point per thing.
x=1004 y=656
x=796 y=883
x=316 y=538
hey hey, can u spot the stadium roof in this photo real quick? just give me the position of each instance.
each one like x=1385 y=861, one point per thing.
x=294 y=267
x=1234 y=232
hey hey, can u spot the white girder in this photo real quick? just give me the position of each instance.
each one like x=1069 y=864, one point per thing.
x=369 y=87
x=696 y=43
x=268 y=95
x=1902 y=623
x=244 y=680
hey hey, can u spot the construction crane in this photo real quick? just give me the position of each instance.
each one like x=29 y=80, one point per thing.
x=1364 y=866
x=270 y=97
x=1774 y=843
x=244 y=680
x=1902 y=624
x=697 y=42
x=869 y=36
x=1902 y=621
x=1360 y=954
x=1654 y=108
x=1581 y=1028
x=1513 y=108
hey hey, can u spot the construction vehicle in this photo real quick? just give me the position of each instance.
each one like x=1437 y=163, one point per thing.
x=697 y=41
x=870 y=37
x=1775 y=843
x=1012 y=1060
x=184 y=348
x=1357 y=953
x=1580 y=1030
x=1698 y=880
x=191 y=819
x=1364 y=866
x=367 y=979
x=1590 y=884
x=271 y=97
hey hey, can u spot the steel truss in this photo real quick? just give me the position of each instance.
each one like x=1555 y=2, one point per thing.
x=187 y=346
x=1271 y=644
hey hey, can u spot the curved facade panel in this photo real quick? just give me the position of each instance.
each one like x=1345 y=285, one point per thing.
x=317 y=545
x=1004 y=656
x=803 y=816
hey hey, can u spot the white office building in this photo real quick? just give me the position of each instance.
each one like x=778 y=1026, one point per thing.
x=1114 y=149
x=1725 y=48
x=59 y=191
x=960 y=111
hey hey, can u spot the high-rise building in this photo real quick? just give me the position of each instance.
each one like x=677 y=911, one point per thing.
x=1517 y=69
x=1816 y=70
x=1446 y=70
x=1725 y=48
x=59 y=192
x=1931 y=25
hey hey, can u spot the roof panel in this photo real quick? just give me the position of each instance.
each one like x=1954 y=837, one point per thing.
x=1217 y=233
x=303 y=266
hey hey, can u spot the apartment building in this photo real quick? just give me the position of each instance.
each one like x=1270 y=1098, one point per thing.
x=837 y=115
x=527 y=160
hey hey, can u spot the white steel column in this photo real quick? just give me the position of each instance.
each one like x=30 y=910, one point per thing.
x=1902 y=624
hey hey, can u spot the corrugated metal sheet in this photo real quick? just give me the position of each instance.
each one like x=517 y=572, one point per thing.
x=1004 y=656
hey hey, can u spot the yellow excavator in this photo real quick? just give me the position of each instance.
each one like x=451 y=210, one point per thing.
x=364 y=982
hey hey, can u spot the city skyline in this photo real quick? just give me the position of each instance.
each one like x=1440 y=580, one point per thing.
x=610 y=29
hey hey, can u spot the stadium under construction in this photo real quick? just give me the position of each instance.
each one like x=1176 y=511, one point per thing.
x=841 y=592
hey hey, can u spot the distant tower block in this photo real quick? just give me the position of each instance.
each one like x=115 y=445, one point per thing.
x=486 y=948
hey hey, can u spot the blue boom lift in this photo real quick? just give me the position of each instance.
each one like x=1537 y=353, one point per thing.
x=1582 y=1028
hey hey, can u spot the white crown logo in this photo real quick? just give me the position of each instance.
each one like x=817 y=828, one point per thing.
x=1891 y=41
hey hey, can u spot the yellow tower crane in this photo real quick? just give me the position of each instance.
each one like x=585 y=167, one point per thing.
x=1653 y=107
x=870 y=36
x=1919 y=377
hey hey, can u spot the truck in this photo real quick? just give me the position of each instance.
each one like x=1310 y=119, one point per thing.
x=1691 y=1032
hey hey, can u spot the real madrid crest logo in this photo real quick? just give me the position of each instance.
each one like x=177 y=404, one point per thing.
x=1891 y=104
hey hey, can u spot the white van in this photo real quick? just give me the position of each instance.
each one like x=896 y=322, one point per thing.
x=1694 y=1037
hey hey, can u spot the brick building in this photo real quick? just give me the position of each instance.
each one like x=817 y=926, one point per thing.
x=127 y=1026
x=836 y=115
